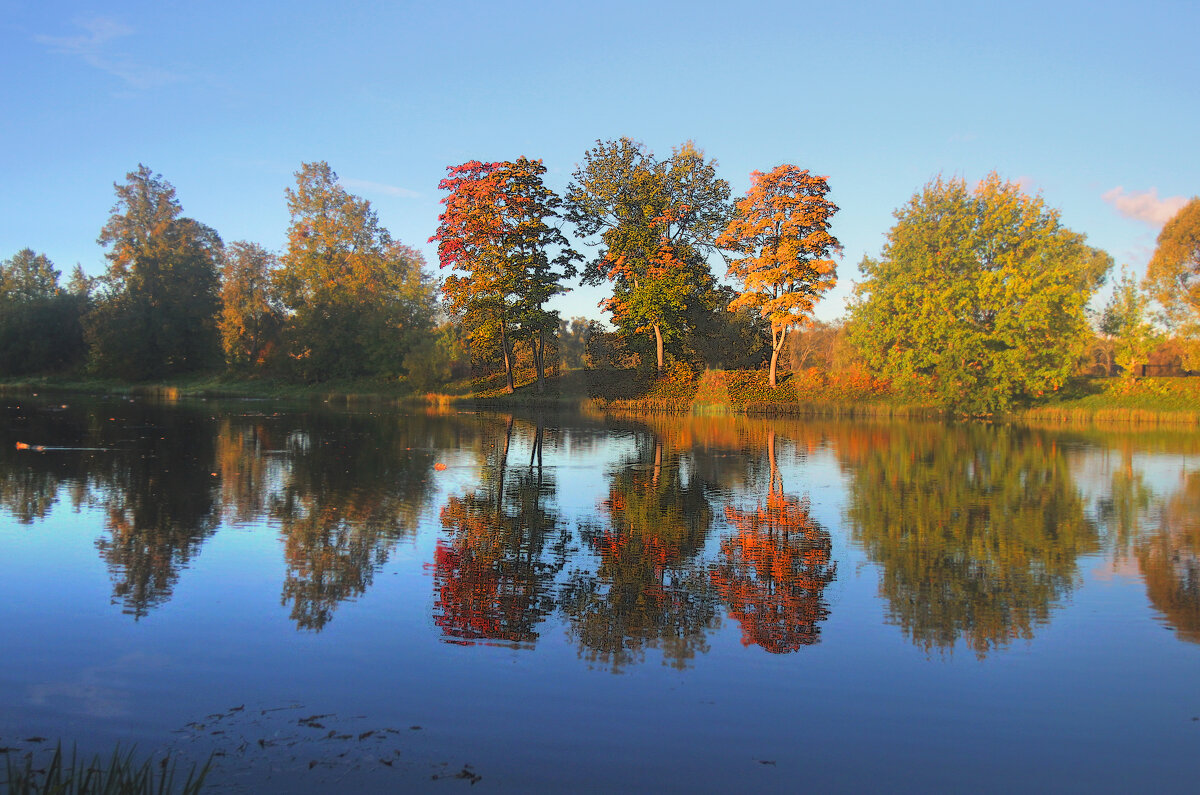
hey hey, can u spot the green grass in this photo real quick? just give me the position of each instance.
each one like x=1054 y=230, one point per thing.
x=1139 y=401
x=1173 y=401
x=120 y=775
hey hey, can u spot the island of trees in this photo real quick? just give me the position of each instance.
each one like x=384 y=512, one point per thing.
x=978 y=303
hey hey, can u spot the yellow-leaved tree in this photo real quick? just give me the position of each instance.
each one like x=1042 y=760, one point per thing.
x=780 y=234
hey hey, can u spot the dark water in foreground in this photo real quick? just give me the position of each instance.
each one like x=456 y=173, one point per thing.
x=347 y=600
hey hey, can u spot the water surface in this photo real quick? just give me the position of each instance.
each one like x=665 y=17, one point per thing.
x=376 y=600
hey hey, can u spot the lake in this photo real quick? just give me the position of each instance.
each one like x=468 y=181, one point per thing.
x=364 y=599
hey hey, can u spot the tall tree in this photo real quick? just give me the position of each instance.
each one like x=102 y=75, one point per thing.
x=251 y=314
x=28 y=276
x=781 y=229
x=979 y=296
x=656 y=221
x=495 y=234
x=356 y=299
x=1173 y=275
x=156 y=313
x=40 y=324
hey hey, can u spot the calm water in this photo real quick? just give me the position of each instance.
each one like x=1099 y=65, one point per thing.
x=341 y=599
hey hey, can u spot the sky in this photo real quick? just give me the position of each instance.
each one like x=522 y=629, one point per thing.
x=1094 y=105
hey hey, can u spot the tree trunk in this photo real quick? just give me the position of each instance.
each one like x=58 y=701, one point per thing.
x=777 y=340
x=539 y=360
x=508 y=372
x=658 y=346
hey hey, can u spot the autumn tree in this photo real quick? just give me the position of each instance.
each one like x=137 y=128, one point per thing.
x=508 y=260
x=780 y=237
x=654 y=221
x=251 y=314
x=979 y=296
x=357 y=300
x=40 y=323
x=157 y=305
x=1173 y=275
x=1125 y=324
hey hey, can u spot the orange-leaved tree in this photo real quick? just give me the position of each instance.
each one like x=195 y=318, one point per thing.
x=494 y=233
x=780 y=236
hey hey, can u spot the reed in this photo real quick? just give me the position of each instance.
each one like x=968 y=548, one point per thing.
x=120 y=775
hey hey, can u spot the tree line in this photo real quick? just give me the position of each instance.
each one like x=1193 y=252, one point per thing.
x=978 y=300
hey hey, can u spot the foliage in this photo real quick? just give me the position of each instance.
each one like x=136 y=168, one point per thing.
x=40 y=325
x=781 y=232
x=979 y=296
x=28 y=276
x=1173 y=275
x=1126 y=325
x=251 y=314
x=357 y=301
x=494 y=233
x=156 y=312
x=656 y=220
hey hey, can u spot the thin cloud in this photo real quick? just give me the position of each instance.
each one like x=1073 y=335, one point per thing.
x=95 y=48
x=1145 y=206
x=378 y=187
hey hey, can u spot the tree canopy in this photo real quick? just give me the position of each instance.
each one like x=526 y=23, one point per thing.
x=656 y=221
x=356 y=299
x=979 y=296
x=1173 y=275
x=158 y=303
x=40 y=329
x=508 y=261
x=781 y=232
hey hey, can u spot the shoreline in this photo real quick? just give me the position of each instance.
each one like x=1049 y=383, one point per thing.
x=575 y=391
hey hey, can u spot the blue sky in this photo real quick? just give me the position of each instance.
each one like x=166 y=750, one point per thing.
x=1096 y=105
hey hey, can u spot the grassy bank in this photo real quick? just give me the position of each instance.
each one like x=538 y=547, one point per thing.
x=1143 y=401
x=1130 y=401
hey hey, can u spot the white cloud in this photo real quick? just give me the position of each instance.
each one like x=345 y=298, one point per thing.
x=1145 y=206
x=94 y=47
x=378 y=187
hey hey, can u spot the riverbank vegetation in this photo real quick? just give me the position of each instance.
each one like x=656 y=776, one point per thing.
x=979 y=304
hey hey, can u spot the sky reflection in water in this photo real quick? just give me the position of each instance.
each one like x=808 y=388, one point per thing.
x=788 y=602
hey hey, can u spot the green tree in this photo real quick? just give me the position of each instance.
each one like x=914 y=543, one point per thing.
x=357 y=301
x=781 y=232
x=156 y=312
x=251 y=314
x=1126 y=326
x=28 y=276
x=979 y=296
x=656 y=220
x=1173 y=276
x=40 y=324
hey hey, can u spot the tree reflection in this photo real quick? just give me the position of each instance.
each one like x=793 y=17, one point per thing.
x=158 y=497
x=1170 y=559
x=494 y=577
x=355 y=486
x=977 y=529
x=773 y=572
x=647 y=591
